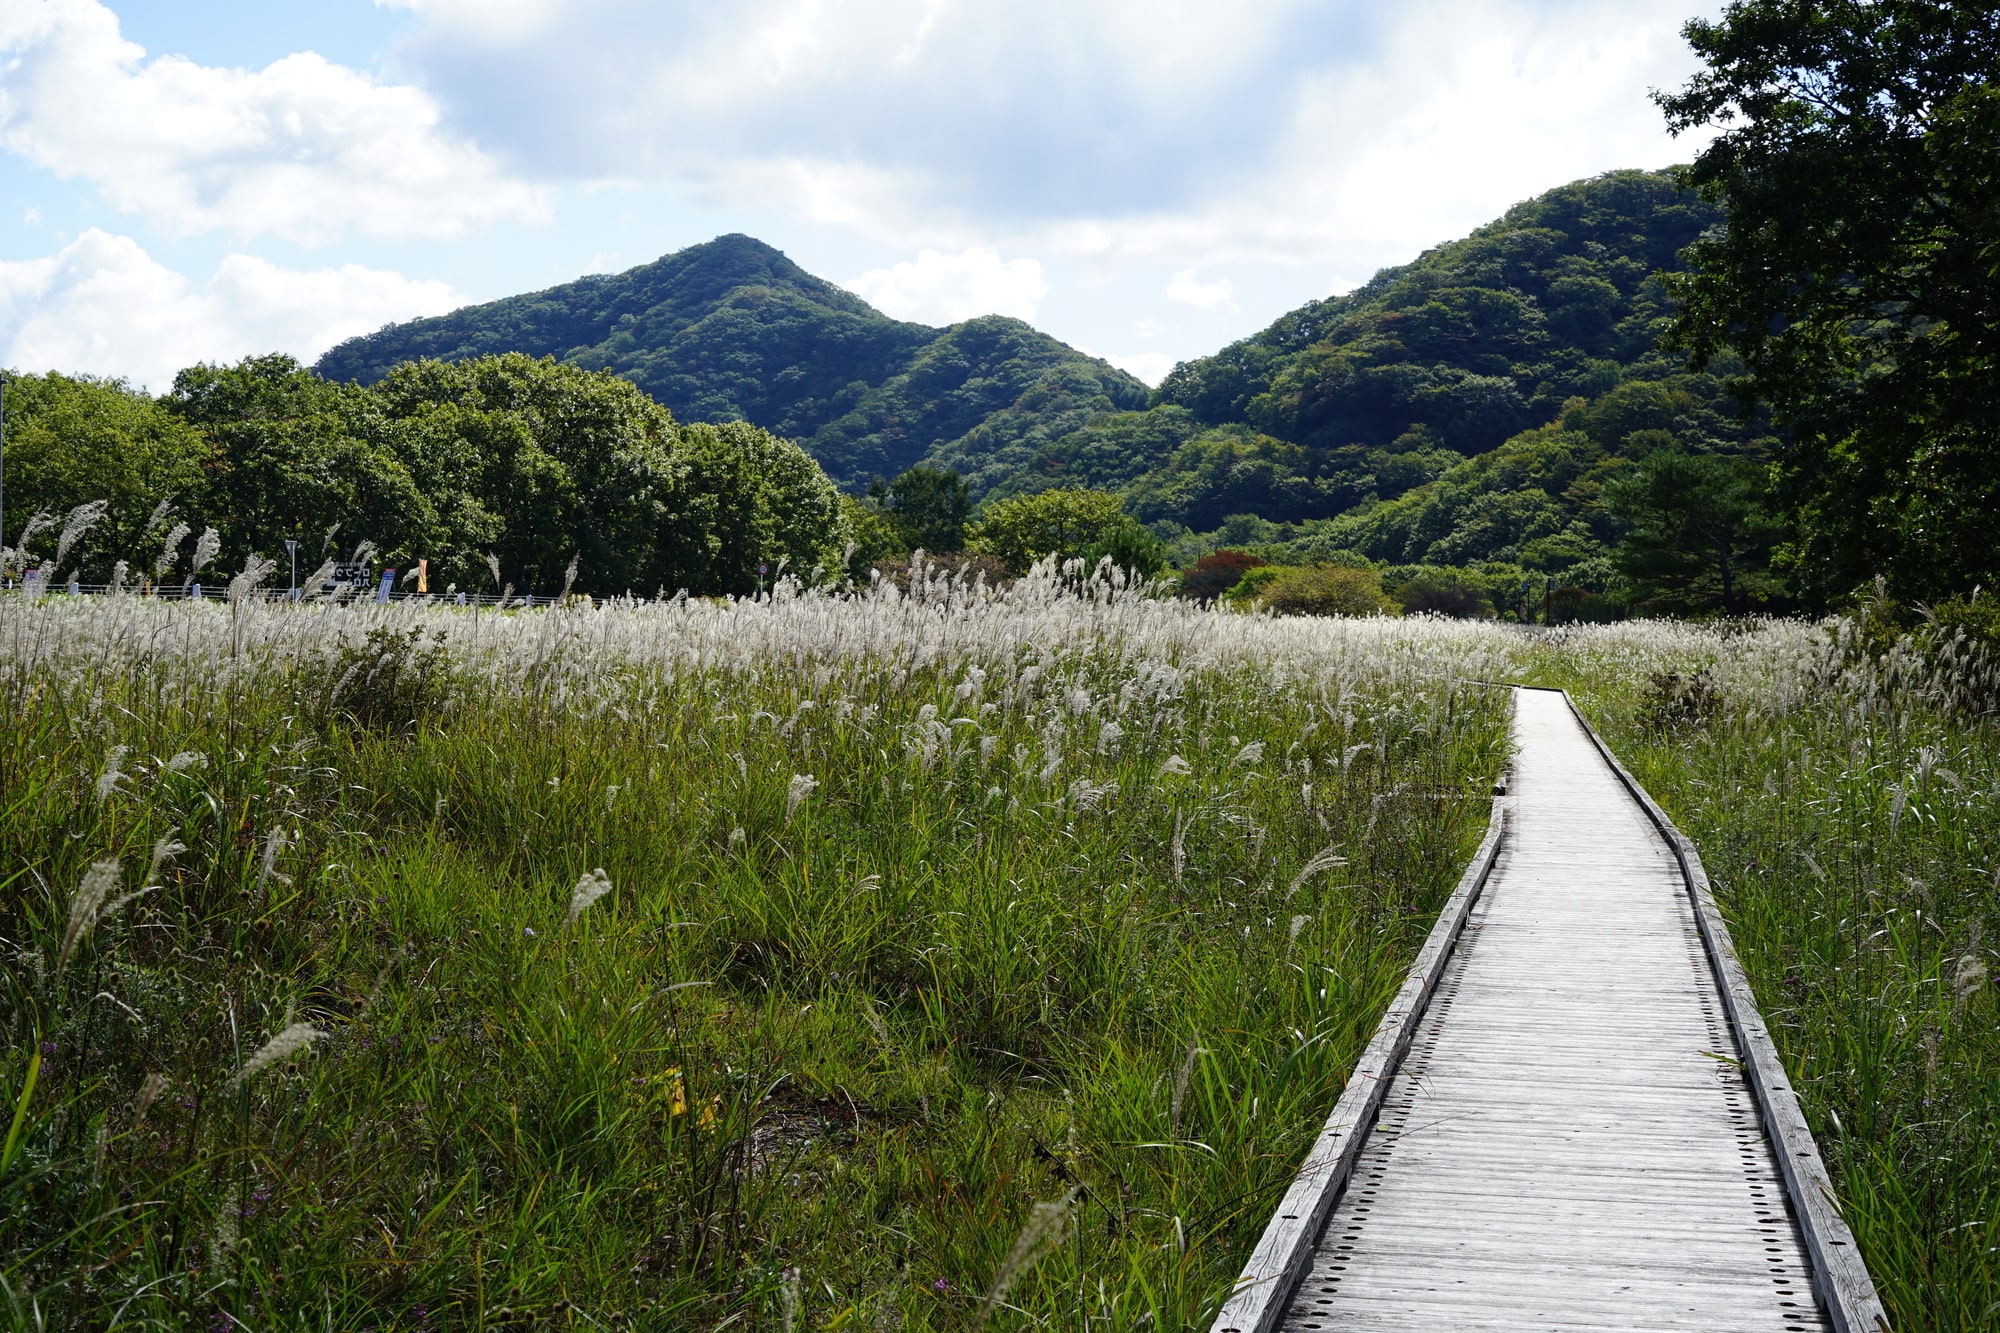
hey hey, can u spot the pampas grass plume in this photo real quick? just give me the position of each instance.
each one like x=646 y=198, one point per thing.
x=588 y=890
x=295 y=1038
x=87 y=904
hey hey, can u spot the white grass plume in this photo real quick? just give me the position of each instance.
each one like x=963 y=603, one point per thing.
x=38 y=523
x=1327 y=859
x=158 y=519
x=156 y=1083
x=255 y=570
x=1046 y=1225
x=588 y=890
x=205 y=548
x=113 y=774
x=268 y=870
x=87 y=904
x=295 y=1038
x=1181 y=1082
x=317 y=579
x=801 y=786
x=170 y=549
x=166 y=849
x=81 y=520
x=493 y=564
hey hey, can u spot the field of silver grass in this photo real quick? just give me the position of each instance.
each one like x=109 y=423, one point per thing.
x=873 y=962
x=926 y=961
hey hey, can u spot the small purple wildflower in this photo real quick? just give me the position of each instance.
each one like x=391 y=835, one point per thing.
x=940 y=1285
x=529 y=931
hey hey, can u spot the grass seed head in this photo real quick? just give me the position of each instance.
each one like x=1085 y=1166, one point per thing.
x=1044 y=1231
x=801 y=786
x=296 y=1038
x=87 y=904
x=588 y=890
x=205 y=548
x=113 y=774
x=170 y=549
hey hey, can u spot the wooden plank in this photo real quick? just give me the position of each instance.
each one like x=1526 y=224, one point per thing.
x=1840 y=1275
x=1285 y=1251
x=1567 y=1140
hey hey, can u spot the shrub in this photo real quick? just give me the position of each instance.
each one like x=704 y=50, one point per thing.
x=1216 y=573
x=390 y=682
x=1326 y=590
x=1131 y=548
x=1427 y=596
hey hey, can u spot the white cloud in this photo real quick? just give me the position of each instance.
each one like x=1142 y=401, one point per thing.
x=103 y=306
x=1321 y=132
x=936 y=288
x=302 y=149
x=1186 y=289
x=1152 y=367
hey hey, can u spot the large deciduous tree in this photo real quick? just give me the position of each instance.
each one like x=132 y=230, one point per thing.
x=1858 y=274
x=73 y=440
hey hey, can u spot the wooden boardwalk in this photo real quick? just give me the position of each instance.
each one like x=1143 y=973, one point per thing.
x=1568 y=1139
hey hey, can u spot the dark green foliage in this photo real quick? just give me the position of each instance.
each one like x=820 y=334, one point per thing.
x=1324 y=590
x=1129 y=547
x=72 y=440
x=733 y=330
x=1700 y=536
x=1443 y=597
x=535 y=462
x=391 y=682
x=295 y=455
x=1860 y=166
x=1376 y=412
x=1061 y=523
x=1474 y=341
x=930 y=507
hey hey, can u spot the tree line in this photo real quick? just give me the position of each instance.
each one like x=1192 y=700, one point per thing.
x=498 y=470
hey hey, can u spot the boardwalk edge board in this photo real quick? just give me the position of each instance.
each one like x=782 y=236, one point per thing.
x=1285 y=1252
x=1840 y=1277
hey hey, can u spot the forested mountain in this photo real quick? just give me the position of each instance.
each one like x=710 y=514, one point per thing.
x=1467 y=407
x=733 y=330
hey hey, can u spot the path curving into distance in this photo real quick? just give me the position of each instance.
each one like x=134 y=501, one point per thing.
x=1571 y=1136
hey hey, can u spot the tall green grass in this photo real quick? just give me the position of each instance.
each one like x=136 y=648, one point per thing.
x=1846 y=802
x=967 y=959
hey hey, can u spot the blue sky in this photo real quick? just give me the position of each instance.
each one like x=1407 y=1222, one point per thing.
x=1147 y=179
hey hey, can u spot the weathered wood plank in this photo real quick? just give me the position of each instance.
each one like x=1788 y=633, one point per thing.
x=1840 y=1277
x=1569 y=1129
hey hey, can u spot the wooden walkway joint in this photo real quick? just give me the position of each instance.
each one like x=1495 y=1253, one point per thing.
x=1572 y=1116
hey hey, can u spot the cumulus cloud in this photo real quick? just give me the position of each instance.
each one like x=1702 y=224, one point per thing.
x=1157 y=130
x=1188 y=290
x=303 y=149
x=102 y=305
x=936 y=288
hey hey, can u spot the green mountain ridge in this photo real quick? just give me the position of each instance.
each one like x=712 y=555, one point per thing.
x=733 y=330
x=1468 y=407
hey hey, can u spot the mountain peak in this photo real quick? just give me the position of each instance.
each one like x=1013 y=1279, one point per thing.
x=732 y=329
